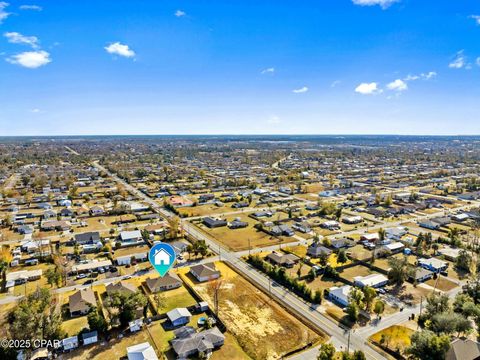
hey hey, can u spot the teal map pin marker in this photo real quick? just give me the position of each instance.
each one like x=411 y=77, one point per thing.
x=162 y=256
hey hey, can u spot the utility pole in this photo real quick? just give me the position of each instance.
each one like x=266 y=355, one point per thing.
x=348 y=342
x=249 y=247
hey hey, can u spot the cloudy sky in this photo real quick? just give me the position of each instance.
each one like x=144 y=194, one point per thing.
x=240 y=67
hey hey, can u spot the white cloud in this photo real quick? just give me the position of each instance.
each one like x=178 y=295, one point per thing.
x=478 y=61
x=382 y=3
x=270 y=70
x=425 y=76
x=36 y=111
x=397 y=85
x=476 y=18
x=31 y=7
x=302 y=90
x=460 y=61
x=335 y=83
x=274 y=119
x=368 y=89
x=17 y=38
x=3 y=13
x=180 y=13
x=429 y=75
x=120 y=49
x=31 y=59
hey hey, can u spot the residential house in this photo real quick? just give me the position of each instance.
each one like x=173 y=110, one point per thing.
x=167 y=282
x=188 y=343
x=121 y=287
x=87 y=238
x=214 y=223
x=373 y=280
x=352 y=219
x=89 y=338
x=285 y=260
x=393 y=248
x=342 y=243
x=205 y=272
x=131 y=237
x=179 y=316
x=237 y=224
x=433 y=264
x=81 y=302
x=330 y=225
x=315 y=250
x=142 y=351
x=421 y=275
x=340 y=294
x=463 y=349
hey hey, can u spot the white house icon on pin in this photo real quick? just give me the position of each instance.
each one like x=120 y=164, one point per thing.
x=161 y=257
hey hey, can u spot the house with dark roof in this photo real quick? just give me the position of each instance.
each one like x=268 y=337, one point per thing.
x=463 y=349
x=188 y=342
x=167 y=282
x=315 y=250
x=285 y=260
x=81 y=302
x=87 y=238
x=122 y=287
x=214 y=223
x=205 y=272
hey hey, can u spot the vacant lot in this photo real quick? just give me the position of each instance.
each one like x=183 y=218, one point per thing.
x=393 y=337
x=442 y=283
x=263 y=329
x=354 y=271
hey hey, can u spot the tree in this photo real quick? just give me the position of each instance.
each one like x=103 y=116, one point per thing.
x=124 y=305
x=464 y=261
x=96 y=321
x=37 y=316
x=400 y=270
x=358 y=355
x=369 y=295
x=448 y=323
x=54 y=277
x=160 y=301
x=379 y=307
x=323 y=258
x=5 y=259
x=326 y=352
x=353 y=311
x=425 y=345
x=342 y=257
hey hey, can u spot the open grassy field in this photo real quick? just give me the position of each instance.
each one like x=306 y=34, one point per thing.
x=442 y=283
x=175 y=298
x=262 y=328
x=393 y=337
x=354 y=271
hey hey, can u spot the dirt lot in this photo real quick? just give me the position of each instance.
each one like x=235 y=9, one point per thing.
x=262 y=328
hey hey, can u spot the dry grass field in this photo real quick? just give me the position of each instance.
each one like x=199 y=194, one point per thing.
x=263 y=328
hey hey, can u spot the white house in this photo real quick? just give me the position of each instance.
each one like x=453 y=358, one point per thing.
x=393 y=247
x=373 y=280
x=141 y=352
x=433 y=264
x=340 y=294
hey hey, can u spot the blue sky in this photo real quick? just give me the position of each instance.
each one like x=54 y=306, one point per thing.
x=239 y=67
